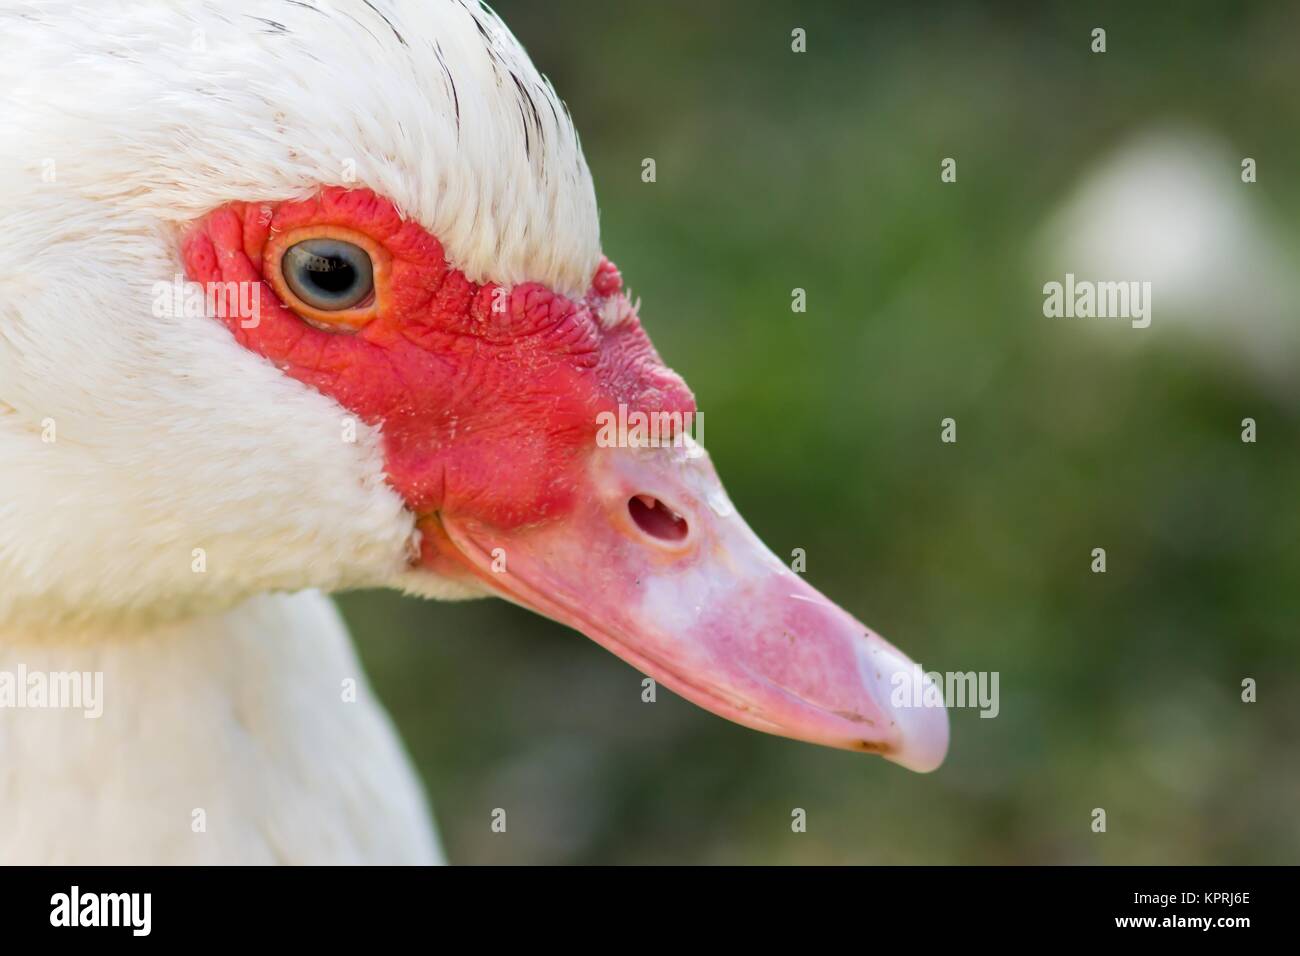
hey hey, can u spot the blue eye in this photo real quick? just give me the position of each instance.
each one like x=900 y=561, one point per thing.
x=328 y=274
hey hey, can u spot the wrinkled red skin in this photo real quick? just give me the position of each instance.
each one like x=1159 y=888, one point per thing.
x=483 y=414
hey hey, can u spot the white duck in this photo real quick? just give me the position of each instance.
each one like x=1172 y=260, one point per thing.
x=414 y=405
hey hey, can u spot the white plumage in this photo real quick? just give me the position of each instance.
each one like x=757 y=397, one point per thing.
x=168 y=437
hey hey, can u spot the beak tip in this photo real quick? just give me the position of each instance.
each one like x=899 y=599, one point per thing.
x=925 y=757
x=921 y=724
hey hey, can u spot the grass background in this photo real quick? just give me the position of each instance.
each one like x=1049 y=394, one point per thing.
x=821 y=171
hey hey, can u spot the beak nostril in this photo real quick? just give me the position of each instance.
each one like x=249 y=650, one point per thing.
x=656 y=519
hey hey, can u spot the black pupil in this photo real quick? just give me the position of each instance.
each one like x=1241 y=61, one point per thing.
x=331 y=274
x=328 y=273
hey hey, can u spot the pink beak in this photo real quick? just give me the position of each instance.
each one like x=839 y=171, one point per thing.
x=656 y=565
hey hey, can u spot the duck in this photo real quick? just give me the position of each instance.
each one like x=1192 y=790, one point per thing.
x=308 y=296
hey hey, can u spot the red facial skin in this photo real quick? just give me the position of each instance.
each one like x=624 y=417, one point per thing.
x=489 y=423
x=484 y=414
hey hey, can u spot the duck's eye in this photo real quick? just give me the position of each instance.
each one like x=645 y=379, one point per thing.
x=328 y=274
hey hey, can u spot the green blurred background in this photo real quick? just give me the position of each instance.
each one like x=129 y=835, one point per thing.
x=779 y=170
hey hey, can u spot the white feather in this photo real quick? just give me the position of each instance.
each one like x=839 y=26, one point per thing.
x=241 y=718
x=136 y=448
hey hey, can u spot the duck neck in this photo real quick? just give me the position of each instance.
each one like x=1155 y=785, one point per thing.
x=246 y=736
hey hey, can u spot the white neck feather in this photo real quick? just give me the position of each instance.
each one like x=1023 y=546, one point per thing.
x=241 y=720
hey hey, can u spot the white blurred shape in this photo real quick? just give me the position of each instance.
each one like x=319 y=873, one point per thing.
x=1170 y=207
